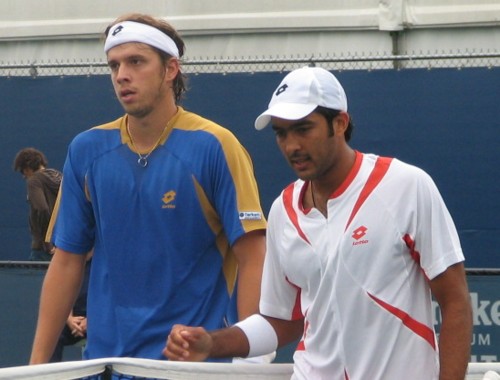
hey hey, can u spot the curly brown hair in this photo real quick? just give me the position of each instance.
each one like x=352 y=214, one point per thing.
x=29 y=158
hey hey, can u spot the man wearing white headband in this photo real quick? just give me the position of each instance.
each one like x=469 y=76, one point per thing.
x=355 y=248
x=167 y=200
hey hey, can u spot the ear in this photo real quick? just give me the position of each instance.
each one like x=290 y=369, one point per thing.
x=341 y=123
x=172 y=68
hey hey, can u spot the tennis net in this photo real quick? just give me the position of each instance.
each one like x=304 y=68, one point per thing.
x=138 y=369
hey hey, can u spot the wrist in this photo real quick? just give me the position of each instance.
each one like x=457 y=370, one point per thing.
x=261 y=336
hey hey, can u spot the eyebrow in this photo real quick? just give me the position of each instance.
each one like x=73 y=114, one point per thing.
x=297 y=124
x=129 y=57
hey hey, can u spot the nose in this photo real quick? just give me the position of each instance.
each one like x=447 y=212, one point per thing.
x=289 y=144
x=122 y=74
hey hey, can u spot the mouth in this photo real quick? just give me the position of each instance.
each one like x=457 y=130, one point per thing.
x=299 y=163
x=126 y=95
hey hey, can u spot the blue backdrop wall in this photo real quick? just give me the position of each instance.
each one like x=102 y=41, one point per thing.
x=443 y=120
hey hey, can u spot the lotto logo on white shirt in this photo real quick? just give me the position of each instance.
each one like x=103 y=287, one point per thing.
x=358 y=234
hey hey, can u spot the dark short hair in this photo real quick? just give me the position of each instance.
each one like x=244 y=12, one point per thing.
x=330 y=114
x=29 y=158
x=180 y=82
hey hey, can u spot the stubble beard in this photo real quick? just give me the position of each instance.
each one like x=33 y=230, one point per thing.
x=139 y=112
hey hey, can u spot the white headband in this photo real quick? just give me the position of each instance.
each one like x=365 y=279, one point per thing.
x=130 y=31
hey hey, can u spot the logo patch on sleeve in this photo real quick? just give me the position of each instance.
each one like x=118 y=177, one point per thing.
x=250 y=215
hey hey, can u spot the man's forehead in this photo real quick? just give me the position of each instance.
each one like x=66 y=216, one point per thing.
x=130 y=48
x=279 y=123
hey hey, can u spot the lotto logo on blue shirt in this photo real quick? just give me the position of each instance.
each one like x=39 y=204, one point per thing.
x=168 y=199
x=250 y=215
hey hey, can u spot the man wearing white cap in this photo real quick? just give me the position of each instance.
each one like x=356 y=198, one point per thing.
x=167 y=200
x=355 y=248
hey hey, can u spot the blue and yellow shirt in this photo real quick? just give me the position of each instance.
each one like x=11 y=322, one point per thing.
x=161 y=233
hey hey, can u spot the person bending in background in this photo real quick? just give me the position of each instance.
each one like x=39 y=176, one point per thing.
x=355 y=248
x=169 y=203
x=42 y=185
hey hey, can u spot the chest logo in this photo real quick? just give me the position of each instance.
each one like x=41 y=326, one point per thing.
x=358 y=235
x=168 y=199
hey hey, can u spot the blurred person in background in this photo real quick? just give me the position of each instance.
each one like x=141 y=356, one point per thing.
x=42 y=185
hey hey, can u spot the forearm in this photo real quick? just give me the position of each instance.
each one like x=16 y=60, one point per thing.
x=451 y=292
x=230 y=342
x=257 y=335
x=196 y=344
x=287 y=331
x=248 y=291
x=38 y=225
x=250 y=252
x=454 y=345
x=40 y=211
x=56 y=302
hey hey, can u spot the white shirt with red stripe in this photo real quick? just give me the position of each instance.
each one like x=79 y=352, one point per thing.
x=360 y=277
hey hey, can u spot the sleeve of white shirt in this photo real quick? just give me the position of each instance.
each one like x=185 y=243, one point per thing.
x=278 y=296
x=436 y=237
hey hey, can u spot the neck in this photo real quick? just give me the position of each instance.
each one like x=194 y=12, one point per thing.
x=318 y=201
x=323 y=187
x=146 y=131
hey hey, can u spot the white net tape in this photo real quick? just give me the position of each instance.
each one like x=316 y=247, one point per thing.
x=156 y=369
x=145 y=368
x=483 y=371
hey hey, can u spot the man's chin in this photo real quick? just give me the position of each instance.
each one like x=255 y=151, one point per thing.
x=136 y=112
x=304 y=175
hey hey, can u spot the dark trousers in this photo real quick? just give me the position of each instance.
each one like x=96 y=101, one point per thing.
x=65 y=339
x=39 y=255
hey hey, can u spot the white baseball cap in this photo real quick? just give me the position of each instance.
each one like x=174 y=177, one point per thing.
x=300 y=92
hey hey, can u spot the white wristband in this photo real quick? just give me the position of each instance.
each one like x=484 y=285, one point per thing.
x=261 y=336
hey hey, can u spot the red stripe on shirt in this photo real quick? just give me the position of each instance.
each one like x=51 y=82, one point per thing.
x=350 y=177
x=378 y=172
x=415 y=255
x=292 y=214
x=418 y=328
x=297 y=307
